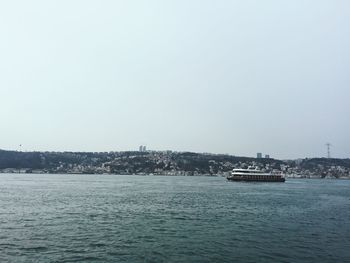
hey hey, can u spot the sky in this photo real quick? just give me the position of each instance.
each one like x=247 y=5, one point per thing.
x=236 y=77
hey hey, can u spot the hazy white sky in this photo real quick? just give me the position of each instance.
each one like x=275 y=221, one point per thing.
x=235 y=77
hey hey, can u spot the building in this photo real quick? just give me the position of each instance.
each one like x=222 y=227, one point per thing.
x=259 y=155
x=142 y=148
x=267 y=156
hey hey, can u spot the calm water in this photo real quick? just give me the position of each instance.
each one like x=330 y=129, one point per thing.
x=106 y=218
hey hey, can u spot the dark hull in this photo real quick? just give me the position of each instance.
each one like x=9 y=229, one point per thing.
x=254 y=179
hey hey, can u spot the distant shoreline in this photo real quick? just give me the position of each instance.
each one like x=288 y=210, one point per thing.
x=167 y=163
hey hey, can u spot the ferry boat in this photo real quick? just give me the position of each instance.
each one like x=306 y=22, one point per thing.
x=254 y=175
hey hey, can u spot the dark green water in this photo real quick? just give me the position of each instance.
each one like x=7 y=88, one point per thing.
x=106 y=218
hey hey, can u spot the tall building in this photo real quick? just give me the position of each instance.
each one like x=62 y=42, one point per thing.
x=267 y=156
x=142 y=148
x=259 y=155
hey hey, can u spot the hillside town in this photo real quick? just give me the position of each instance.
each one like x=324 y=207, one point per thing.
x=169 y=163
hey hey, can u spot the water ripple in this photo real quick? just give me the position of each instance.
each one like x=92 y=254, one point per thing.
x=103 y=218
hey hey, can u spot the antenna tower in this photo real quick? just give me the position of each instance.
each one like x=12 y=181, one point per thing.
x=328 y=150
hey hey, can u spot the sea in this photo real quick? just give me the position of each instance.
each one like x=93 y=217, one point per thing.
x=129 y=218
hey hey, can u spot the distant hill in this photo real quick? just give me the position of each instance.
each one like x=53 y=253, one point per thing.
x=158 y=162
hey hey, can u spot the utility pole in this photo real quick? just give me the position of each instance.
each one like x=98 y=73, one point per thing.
x=328 y=150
